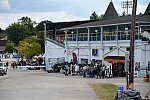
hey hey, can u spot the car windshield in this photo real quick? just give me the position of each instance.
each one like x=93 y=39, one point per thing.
x=1 y=64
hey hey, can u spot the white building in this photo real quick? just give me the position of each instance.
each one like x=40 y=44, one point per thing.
x=108 y=41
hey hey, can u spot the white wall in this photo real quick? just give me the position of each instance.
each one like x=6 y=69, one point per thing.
x=53 y=51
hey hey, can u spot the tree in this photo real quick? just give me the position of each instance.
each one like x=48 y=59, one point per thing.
x=94 y=16
x=26 y=21
x=40 y=33
x=100 y=17
x=20 y=30
x=17 y=32
x=29 y=47
x=10 y=47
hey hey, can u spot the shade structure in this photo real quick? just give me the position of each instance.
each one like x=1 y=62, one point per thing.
x=120 y=59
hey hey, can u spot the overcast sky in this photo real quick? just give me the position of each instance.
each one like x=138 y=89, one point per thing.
x=58 y=10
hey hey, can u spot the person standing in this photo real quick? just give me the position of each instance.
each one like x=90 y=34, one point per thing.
x=103 y=71
x=71 y=69
x=98 y=71
x=66 y=69
x=7 y=64
x=76 y=69
x=84 y=70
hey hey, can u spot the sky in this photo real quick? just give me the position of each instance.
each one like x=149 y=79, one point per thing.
x=58 y=10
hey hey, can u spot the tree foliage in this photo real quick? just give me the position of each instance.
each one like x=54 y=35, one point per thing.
x=100 y=17
x=29 y=47
x=17 y=32
x=40 y=33
x=26 y=21
x=10 y=47
x=20 y=30
x=94 y=16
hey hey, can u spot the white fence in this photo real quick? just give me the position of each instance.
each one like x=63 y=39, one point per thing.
x=26 y=67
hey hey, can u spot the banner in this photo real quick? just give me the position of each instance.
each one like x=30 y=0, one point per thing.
x=74 y=56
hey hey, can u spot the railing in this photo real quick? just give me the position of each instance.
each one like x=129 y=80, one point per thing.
x=33 y=67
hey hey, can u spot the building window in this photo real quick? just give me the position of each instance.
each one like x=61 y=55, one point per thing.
x=109 y=33
x=95 y=33
x=148 y=65
x=94 y=52
x=71 y=35
x=84 y=61
x=128 y=49
x=82 y=34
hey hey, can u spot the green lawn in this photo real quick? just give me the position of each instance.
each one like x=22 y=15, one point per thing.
x=105 y=91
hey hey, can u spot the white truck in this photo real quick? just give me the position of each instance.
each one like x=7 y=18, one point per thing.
x=3 y=68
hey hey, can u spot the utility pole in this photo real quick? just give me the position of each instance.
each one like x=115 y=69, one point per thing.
x=126 y=5
x=45 y=44
x=132 y=40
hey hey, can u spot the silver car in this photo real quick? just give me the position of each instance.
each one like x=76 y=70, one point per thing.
x=3 y=68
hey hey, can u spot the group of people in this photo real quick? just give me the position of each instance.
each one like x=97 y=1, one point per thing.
x=91 y=71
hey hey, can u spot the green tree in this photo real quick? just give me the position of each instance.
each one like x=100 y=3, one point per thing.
x=9 y=47
x=40 y=33
x=100 y=17
x=17 y=32
x=26 y=21
x=94 y=16
x=20 y=30
x=29 y=47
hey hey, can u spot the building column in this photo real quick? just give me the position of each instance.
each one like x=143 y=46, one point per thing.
x=89 y=47
x=102 y=46
x=66 y=47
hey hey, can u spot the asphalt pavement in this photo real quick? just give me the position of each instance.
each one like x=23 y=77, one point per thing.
x=40 y=85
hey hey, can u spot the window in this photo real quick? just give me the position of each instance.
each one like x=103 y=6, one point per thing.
x=82 y=34
x=95 y=33
x=71 y=35
x=94 y=52
x=148 y=65
x=84 y=61
x=128 y=49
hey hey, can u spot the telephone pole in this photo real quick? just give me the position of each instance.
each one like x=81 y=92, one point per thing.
x=132 y=40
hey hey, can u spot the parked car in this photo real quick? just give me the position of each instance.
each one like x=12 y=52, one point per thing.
x=3 y=68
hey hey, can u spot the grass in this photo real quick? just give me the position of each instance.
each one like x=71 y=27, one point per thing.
x=105 y=91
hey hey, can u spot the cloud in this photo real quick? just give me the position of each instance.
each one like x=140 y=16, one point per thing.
x=58 y=10
x=4 y=6
x=9 y=18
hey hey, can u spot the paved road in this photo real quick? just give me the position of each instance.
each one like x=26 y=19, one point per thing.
x=39 y=85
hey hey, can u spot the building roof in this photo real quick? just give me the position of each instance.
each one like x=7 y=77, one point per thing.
x=119 y=20
x=59 y=25
x=147 y=11
x=110 y=12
